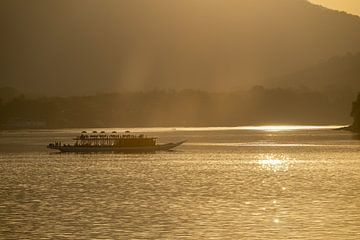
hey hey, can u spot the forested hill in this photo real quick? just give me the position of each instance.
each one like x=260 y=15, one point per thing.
x=77 y=47
x=338 y=72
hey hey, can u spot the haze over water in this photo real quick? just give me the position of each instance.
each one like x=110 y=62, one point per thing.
x=224 y=183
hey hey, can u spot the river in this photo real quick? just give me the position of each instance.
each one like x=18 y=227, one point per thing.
x=298 y=182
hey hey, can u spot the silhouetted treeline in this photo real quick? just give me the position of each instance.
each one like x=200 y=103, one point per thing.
x=177 y=108
x=356 y=115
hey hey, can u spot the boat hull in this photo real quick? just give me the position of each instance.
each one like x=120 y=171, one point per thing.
x=95 y=149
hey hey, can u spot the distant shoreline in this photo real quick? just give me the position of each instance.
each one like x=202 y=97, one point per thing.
x=346 y=128
x=276 y=127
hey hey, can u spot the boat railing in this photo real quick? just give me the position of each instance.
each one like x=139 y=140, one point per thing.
x=112 y=137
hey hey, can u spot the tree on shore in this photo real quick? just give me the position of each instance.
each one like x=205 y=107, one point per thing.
x=355 y=113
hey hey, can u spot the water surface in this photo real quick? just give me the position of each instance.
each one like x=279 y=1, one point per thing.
x=224 y=183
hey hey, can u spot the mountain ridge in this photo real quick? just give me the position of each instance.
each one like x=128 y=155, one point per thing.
x=337 y=72
x=81 y=47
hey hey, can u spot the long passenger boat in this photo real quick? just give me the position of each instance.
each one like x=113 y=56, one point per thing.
x=114 y=142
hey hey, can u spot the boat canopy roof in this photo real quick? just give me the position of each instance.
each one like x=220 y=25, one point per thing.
x=112 y=136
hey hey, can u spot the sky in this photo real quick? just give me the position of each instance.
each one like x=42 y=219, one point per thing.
x=350 y=6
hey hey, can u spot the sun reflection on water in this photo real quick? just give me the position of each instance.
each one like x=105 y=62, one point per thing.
x=270 y=162
x=273 y=162
x=277 y=128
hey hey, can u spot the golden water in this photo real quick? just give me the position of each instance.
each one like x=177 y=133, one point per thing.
x=281 y=183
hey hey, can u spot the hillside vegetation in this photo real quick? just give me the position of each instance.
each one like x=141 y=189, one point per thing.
x=338 y=72
x=84 y=47
x=258 y=106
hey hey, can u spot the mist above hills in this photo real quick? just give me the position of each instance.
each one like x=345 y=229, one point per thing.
x=83 y=47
